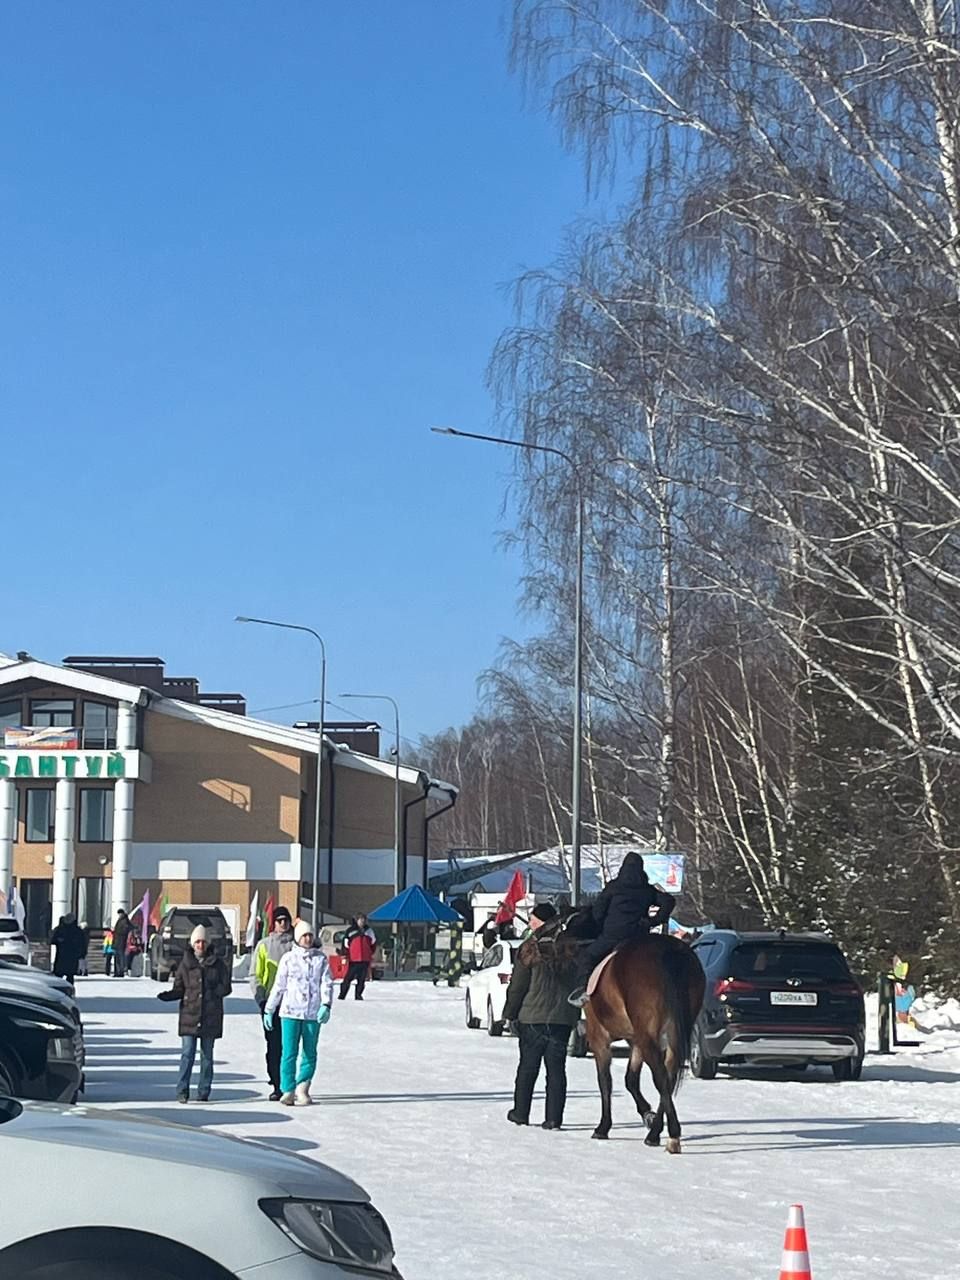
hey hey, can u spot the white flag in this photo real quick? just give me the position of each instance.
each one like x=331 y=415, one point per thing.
x=252 y=922
x=17 y=909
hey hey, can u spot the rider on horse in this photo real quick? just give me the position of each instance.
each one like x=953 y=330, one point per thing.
x=622 y=913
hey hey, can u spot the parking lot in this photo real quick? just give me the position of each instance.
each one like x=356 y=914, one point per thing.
x=412 y=1105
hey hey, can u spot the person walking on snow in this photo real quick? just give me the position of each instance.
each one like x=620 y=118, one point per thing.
x=263 y=973
x=360 y=943
x=121 y=933
x=303 y=992
x=68 y=941
x=201 y=984
x=537 y=1005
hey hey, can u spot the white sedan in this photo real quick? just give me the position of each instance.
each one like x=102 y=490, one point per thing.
x=163 y=1202
x=486 y=988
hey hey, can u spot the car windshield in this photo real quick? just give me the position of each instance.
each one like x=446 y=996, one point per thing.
x=8 y=925
x=788 y=960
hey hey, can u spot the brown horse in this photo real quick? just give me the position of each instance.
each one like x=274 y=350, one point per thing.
x=649 y=994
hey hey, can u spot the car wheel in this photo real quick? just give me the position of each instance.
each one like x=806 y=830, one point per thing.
x=8 y=1084
x=847 y=1069
x=702 y=1066
x=494 y=1028
x=472 y=1022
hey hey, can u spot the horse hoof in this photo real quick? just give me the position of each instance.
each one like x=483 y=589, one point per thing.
x=648 y=1118
x=599 y=1134
x=673 y=1146
x=652 y=1140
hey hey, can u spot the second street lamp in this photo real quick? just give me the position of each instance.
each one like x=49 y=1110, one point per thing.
x=576 y=761
x=399 y=871
x=293 y=626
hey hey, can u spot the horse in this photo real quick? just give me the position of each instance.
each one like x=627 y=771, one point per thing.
x=649 y=993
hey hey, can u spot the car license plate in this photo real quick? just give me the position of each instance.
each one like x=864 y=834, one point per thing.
x=793 y=997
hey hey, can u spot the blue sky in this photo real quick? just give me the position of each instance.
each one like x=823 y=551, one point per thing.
x=250 y=253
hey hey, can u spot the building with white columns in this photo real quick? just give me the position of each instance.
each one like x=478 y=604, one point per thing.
x=116 y=779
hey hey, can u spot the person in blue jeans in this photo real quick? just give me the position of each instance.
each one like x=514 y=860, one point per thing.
x=201 y=984
x=303 y=993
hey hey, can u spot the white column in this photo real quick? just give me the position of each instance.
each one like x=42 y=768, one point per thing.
x=123 y=793
x=63 y=850
x=122 y=842
x=8 y=830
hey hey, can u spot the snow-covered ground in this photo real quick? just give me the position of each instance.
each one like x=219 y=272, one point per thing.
x=413 y=1106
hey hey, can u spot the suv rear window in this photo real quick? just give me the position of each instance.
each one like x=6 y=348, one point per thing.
x=788 y=959
x=8 y=925
x=187 y=921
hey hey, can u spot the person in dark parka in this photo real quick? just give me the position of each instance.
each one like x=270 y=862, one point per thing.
x=537 y=1005
x=201 y=984
x=121 y=932
x=622 y=913
x=69 y=941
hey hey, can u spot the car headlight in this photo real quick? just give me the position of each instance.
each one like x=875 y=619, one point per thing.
x=352 y=1235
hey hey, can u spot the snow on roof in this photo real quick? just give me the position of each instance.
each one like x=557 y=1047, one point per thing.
x=48 y=673
x=549 y=869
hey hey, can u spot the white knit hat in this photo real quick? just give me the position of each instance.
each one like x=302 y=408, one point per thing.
x=301 y=929
x=199 y=935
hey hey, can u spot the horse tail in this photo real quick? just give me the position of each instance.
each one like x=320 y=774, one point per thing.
x=680 y=1016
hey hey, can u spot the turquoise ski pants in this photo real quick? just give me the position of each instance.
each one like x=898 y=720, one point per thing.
x=299 y=1038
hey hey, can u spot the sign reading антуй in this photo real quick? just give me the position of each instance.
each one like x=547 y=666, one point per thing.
x=106 y=765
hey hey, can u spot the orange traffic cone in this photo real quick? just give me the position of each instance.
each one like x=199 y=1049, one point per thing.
x=795 y=1263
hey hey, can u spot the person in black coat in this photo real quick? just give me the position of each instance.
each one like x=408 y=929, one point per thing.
x=537 y=1005
x=121 y=932
x=622 y=913
x=201 y=984
x=68 y=939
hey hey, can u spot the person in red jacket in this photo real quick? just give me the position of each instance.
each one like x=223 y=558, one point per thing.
x=360 y=943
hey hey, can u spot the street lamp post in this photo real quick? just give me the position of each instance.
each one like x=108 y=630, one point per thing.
x=292 y=626
x=399 y=870
x=576 y=752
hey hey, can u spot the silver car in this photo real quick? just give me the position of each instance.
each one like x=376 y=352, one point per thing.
x=103 y=1195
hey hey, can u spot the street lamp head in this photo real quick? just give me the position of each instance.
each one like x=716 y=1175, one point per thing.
x=445 y=431
x=241 y=618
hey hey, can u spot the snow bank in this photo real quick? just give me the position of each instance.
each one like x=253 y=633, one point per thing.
x=932 y=1013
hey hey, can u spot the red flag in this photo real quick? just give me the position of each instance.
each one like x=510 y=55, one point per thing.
x=267 y=916
x=508 y=907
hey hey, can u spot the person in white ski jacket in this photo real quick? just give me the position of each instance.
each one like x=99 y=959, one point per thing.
x=303 y=993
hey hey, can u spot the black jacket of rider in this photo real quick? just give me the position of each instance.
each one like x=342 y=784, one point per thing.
x=622 y=910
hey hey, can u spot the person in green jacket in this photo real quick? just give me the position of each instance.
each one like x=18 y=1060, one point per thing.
x=537 y=1003
x=263 y=973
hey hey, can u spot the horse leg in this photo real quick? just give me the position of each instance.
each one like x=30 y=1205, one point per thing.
x=602 y=1055
x=632 y=1083
x=663 y=1080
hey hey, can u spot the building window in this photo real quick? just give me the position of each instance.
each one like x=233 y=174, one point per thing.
x=52 y=713
x=40 y=815
x=93 y=902
x=99 y=726
x=96 y=815
x=11 y=715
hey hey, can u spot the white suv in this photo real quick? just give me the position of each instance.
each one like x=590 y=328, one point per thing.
x=13 y=941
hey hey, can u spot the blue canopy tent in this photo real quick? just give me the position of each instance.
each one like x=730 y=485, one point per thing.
x=414 y=906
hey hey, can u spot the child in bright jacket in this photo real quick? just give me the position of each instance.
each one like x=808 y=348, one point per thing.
x=303 y=992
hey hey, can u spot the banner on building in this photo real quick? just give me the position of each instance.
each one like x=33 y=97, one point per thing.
x=665 y=870
x=42 y=738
